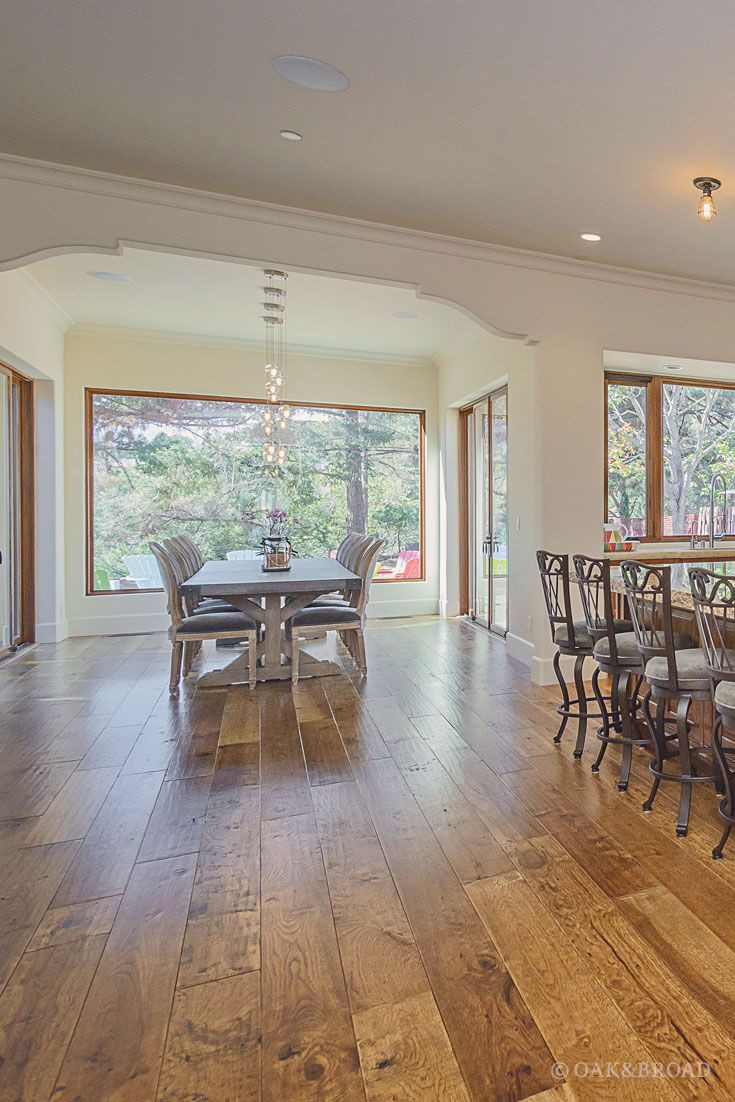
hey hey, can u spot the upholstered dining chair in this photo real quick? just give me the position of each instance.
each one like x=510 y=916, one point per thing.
x=677 y=674
x=358 y=544
x=714 y=607
x=187 y=630
x=347 y=619
x=572 y=638
x=189 y=560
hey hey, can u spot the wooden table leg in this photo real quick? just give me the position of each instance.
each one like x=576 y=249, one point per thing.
x=276 y=646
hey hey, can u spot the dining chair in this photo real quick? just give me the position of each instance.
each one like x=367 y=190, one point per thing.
x=677 y=675
x=187 y=630
x=714 y=607
x=344 y=546
x=195 y=554
x=348 y=620
x=355 y=549
x=572 y=638
x=188 y=563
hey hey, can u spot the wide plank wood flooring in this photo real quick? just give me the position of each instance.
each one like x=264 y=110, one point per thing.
x=381 y=888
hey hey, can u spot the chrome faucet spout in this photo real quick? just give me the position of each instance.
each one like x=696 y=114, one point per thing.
x=717 y=478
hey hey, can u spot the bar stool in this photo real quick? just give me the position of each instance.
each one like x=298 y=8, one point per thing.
x=571 y=637
x=675 y=675
x=714 y=606
x=616 y=653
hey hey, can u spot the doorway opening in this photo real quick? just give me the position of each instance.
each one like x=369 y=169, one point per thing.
x=484 y=558
x=17 y=509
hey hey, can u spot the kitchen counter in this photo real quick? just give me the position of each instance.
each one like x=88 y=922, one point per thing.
x=676 y=555
x=681 y=596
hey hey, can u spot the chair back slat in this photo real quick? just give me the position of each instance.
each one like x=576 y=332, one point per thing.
x=195 y=555
x=171 y=575
x=714 y=607
x=346 y=547
x=365 y=567
x=648 y=589
x=595 y=590
x=554 y=571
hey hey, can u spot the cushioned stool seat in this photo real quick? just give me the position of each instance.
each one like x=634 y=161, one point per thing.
x=582 y=637
x=628 y=652
x=725 y=695
x=692 y=672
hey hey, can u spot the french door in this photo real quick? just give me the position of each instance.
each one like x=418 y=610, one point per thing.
x=486 y=441
x=17 y=601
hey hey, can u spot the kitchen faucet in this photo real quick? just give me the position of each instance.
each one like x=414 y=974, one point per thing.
x=712 y=489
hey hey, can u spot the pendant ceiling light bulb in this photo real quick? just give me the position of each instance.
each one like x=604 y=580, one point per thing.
x=706 y=209
x=274 y=450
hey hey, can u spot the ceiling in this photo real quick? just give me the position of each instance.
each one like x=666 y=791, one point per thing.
x=181 y=294
x=642 y=363
x=522 y=123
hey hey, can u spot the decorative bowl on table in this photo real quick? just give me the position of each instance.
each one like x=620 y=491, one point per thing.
x=624 y=545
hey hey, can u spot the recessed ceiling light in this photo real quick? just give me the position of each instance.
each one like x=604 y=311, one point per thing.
x=307 y=72
x=591 y=236
x=111 y=277
x=402 y=314
x=291 y=135
x=673 y=367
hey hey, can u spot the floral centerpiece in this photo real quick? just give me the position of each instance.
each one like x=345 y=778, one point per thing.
x=276 y=543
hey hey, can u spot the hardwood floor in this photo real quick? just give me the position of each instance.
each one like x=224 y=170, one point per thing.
x=385 y=888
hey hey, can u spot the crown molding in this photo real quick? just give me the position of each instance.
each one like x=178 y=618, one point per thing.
x=162 y=336
x=31 y=289
x=110 y=185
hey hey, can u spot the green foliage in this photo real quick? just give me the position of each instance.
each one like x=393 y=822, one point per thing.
x=169 y=465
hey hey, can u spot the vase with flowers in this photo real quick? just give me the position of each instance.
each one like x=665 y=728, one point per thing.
x=276 y=543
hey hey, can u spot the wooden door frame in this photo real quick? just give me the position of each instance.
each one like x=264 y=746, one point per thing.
x=27 y=504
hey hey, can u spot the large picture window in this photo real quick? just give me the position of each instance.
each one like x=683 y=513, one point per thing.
x=159 y=464
x=665 y=442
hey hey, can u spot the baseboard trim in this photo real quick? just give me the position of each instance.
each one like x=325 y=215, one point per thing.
x=52 y=632
x=380 y=610
x=448 y=609
x=520 y=649
x=542 y=670
x=132 y=624
x=119 y=625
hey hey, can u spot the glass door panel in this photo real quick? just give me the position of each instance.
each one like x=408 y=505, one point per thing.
x=6 y=595
x=478 y=469
x=498 y=527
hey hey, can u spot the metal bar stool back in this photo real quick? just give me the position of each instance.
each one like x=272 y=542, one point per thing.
x=617 y=655
x=571 y=637
x=677 y=675
x=714 y=607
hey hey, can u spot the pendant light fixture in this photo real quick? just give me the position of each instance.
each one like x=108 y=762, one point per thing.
x=706 y=184
x=276 y=413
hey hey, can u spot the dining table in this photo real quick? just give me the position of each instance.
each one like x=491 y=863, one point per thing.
x=272 y=598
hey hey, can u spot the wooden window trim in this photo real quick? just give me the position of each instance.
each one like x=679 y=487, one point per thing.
x=654 y=446
x=89 y=395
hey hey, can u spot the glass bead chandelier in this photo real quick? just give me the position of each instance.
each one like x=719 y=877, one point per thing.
x=276 y=413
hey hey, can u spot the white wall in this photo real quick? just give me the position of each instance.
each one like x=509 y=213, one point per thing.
x=32 y=342
x=148 y=362
x=475 y=368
